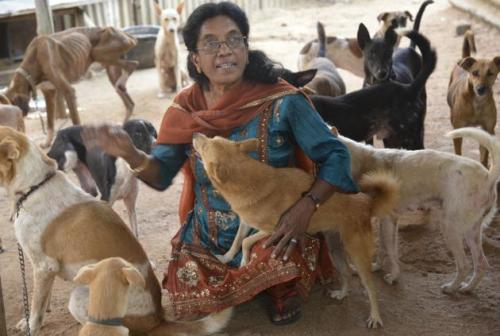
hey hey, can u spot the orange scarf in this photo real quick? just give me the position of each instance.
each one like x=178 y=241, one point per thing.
x=189 y=114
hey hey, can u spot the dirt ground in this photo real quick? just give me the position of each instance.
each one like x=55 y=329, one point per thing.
x=414 y=306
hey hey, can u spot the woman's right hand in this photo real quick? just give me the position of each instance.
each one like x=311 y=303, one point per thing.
x=112 y=139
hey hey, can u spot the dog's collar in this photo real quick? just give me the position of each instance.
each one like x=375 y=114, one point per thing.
x=32 y=189
x=30 y=80
x=112 y=322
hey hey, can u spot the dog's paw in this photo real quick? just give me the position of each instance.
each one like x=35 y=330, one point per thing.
x=45 y=145
x=374 y=321
x=376 y=267
x=390 y=279
x=338 y=294
x=465 y=288
x=448 y=288
x=222 y=258
x=21 y=325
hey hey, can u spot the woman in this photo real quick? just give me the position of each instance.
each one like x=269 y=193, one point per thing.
x=237 y=94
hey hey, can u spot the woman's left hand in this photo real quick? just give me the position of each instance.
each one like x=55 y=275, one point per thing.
x=291 y=229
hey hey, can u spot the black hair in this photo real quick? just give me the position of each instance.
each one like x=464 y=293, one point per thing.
x=260 y=68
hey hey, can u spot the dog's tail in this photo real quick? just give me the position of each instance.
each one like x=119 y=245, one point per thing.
x=383 y=186
x=429 y=60
x=321 y=39
x=418 y=18
x=469 y=44
x=486 y=140
x=206 y=326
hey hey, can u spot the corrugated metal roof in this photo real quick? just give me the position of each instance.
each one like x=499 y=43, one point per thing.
x=21 y=7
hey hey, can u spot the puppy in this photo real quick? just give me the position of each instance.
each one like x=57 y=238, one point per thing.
x=97 y=170
x=395 y=20
x=72 y=230
x=327 y=81
x=265 y=193
x=167 y=50
x=459 y=192
x=470 y=94
x=109 y=282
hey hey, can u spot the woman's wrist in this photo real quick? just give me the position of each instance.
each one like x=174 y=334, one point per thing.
x=137 y=161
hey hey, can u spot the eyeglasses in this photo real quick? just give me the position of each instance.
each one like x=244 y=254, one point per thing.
x=233 y=42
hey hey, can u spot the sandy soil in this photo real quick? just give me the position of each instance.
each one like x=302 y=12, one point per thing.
x=416 y=305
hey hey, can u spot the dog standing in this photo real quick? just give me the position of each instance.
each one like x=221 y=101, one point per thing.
x=459 y=192
x=266 y=193
x=61 y=228
x=470 y=94
x=97 y=170
x=327 y=81
x=167 y=50
x=57 y=60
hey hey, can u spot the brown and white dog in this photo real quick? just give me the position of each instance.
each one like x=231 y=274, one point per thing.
x=470 y=94
x=61 y=228
x=265 y=193
x=57 y=60
x=167 y=50
x=459 y=192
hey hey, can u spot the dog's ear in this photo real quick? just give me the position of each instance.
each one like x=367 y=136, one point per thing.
x=250 y=145
x=158 y=9
x=382 y=16
x=9 y=149
x=363 y=36
x=180 y=7
x=218 y=172
x=467 y=63
x=299 y=78
x=132 y=276
x=85 y=275
x=408 y=14
x=390 y=36
x=335 y=131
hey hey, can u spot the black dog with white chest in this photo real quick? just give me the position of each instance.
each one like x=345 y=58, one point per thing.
x=97 y=170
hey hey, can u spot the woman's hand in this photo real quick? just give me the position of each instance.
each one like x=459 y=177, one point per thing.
x=291 y=229
x=112 y=139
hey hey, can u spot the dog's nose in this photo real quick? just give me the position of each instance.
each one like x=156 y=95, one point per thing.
x=171 y=30
x=382 y=74
x=481 y=90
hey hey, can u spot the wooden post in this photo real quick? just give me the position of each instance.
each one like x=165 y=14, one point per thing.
x=3 y=321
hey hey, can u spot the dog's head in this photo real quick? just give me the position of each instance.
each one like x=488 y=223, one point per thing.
x=395 y=20
x=13 y=146
x=169 y=17
x=142 y=133
x=218 y=154
x=482 y=73
x=377 y=52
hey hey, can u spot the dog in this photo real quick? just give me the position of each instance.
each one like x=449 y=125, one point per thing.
x=386 y=110
x=345 y=53
x=459 y=192
x=73 y=230
x=109 y=282
x=97 y=170
x=266 y=193
x=167 y=50
x=327 y=81
x=57 y=60
x=470 y=94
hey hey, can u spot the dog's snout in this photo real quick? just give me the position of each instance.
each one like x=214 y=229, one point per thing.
x=382 y=74
x=481 y=89
x=171 y=30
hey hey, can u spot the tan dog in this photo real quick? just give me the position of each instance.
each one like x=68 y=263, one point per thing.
x=61 y=228
x=459 y=192
x=396 y=20
x=327 y=81
x=57 y=60
x=11 y=115
x=109 y=281
x=260 y=194
x=167 y=50
x=470 y=94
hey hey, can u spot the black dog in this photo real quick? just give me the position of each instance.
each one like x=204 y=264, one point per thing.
x=97 y=170
x=387 y=108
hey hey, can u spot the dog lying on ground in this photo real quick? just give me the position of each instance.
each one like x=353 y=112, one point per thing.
x=61 y=228
x=266 y=193
x=109 y=281
x=167 y=49
x=459 y=192
x=470 y=94
x=59 y=59
x=345 y=53
x=98 y=170
x=386 y=110
x=327 y=81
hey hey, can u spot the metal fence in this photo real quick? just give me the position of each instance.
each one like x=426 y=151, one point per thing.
x=123 y=13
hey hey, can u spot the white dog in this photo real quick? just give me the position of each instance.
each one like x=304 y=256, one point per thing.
x=167 y=49
x=459 y=192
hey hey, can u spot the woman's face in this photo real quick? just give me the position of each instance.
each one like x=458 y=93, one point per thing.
x=222 y=63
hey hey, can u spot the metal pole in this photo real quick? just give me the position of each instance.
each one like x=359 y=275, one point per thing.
x=3 y=321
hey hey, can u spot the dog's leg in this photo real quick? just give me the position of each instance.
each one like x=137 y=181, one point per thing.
x=337 y=252
x=161 y=81
x=483 y=151
x=118 y=79
x=247 y=244
x=129 y=201
x=242 y=232
x=43 y=282
x=454 y=240
x=50 y=104
x=388 y=233
x=473 y=240
x=457 y=144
